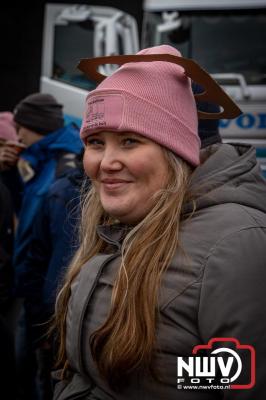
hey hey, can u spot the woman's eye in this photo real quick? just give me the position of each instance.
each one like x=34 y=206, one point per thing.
x=130 y=141
x=93 y=142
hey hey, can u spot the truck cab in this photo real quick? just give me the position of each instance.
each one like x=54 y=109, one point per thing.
x=72 y=32
x=227 y=38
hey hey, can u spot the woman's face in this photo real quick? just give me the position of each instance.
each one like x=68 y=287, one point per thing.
x=127 y=169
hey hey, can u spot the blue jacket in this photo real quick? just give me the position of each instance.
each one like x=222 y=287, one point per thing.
x=54 y=241
x=43 y=157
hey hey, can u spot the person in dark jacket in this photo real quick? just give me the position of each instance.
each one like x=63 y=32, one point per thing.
x=54 y=241
x=171 y=265
x=40 y=126
x=9 y=154
x=7 y=133
x=7 y=369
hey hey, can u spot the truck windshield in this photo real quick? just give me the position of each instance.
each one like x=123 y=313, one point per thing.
x=71 y=43
x=81 y=31
x=224 y=42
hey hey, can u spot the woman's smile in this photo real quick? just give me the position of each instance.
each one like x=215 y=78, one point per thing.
x=114 y=184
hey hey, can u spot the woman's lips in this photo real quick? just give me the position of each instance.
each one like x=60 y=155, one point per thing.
x=114 y=184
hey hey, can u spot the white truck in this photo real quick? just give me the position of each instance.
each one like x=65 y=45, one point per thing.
x=226 y=37
x=72 y=32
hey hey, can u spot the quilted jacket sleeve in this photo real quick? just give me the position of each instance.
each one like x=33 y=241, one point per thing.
x=233 y=302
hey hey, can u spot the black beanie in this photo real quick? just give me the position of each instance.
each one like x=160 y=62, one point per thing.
x=40 y=113
x=208 y=129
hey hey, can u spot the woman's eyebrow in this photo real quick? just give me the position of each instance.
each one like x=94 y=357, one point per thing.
x=127 y=133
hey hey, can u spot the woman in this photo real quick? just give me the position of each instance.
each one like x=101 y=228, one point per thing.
x=172 y=251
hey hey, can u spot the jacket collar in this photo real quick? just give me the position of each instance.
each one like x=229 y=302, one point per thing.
x=113 y=234
x=230 y=173
x=65 y=139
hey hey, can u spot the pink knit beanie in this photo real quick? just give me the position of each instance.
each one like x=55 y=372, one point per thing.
x=153 y=99
x=7 y=126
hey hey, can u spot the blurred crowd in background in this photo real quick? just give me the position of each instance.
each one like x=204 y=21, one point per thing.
x=40 y=177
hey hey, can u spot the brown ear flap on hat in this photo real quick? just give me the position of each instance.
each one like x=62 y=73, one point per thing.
x=213 y=92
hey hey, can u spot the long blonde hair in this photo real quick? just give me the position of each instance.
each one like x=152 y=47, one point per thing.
x=126 y=340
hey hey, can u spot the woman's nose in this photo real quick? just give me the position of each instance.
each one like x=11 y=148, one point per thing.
x=111 y=159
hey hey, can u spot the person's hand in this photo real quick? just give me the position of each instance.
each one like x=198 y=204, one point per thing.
x=8 y=156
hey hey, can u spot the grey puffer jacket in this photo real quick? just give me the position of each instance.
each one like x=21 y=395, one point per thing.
x=217 y=290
